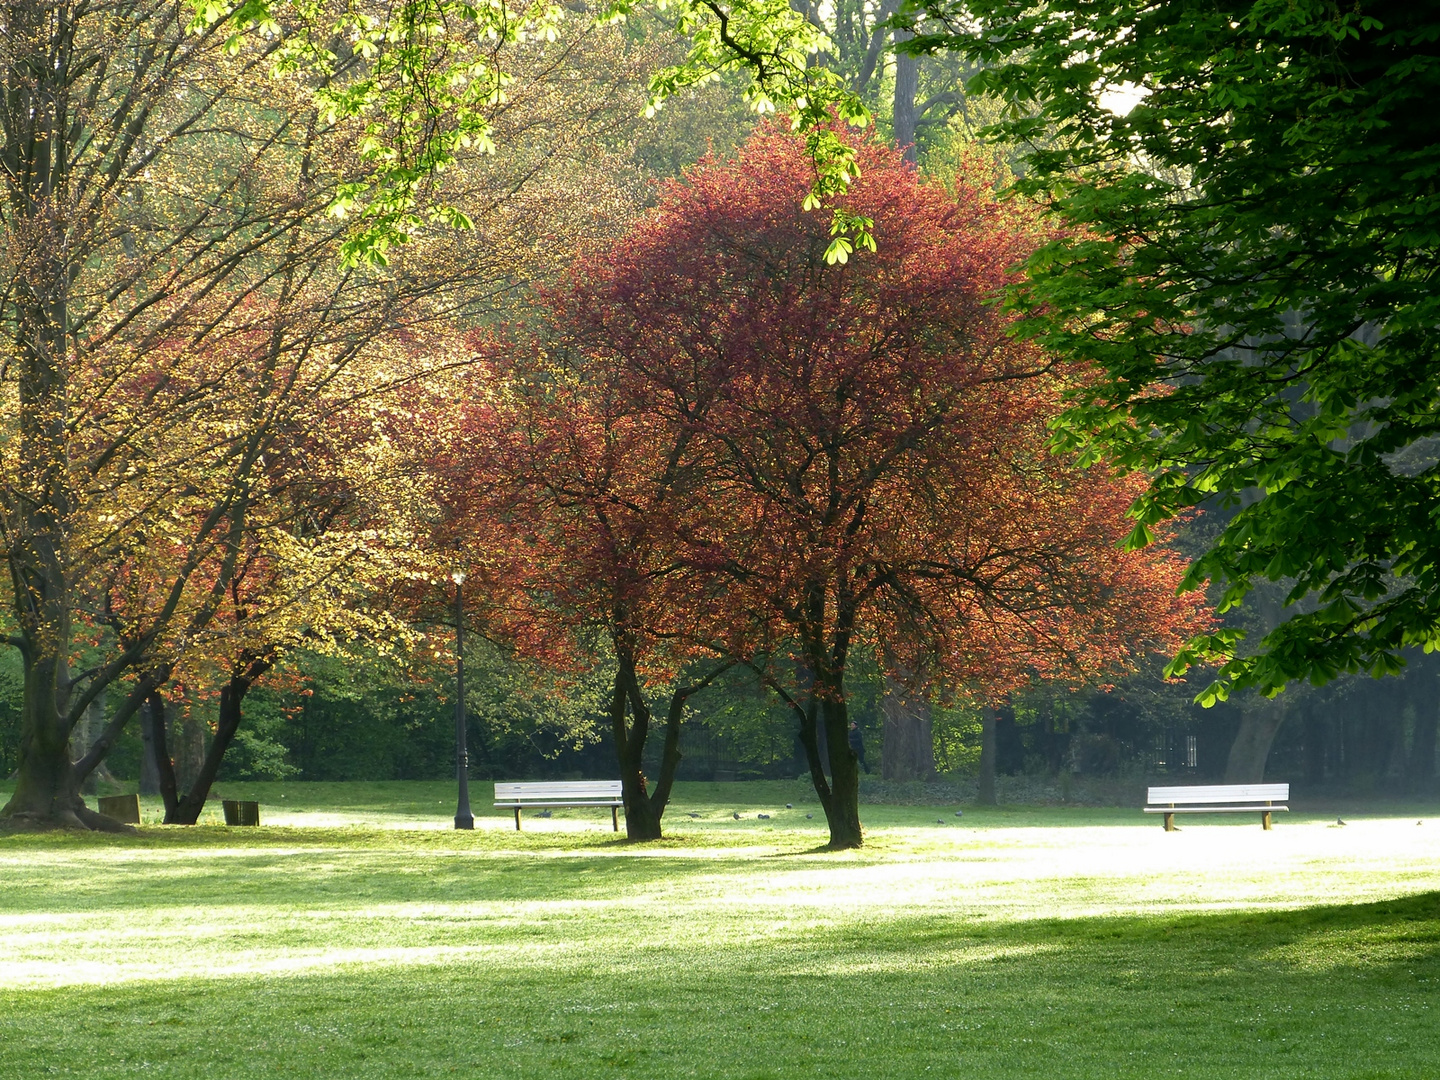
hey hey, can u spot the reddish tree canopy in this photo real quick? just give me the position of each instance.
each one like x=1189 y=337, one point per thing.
x=720 y=443
x=875 y=440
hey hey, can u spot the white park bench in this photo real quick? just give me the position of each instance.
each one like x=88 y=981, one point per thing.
x=555 y=794
x=1263 y=799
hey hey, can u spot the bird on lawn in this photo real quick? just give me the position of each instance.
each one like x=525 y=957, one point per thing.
x=736 y=815
x=1339 y=821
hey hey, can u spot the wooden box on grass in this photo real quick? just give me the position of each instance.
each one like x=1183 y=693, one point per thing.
x=124 y=808
x=241 y=813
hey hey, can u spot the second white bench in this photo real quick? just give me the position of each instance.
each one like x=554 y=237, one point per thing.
x=556 y=794
x=1263 y=799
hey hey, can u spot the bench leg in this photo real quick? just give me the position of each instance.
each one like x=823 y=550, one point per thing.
x=1265 y=821
x=517 y=819
x=1169 y=822
x=615 y=819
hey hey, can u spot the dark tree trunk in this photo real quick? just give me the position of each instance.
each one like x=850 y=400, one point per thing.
x=149 y=771
x=232 y=697
x=1251 y=748
x=908 y=747
x=988 y=718
x=810 y=712
x=641 y=821
x=160 y=748
x=842 y=809
x=644 y=808
x=907 y=87
x=805 y=682
x=35 y=110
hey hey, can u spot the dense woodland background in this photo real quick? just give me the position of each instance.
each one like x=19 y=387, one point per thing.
x=335 y=720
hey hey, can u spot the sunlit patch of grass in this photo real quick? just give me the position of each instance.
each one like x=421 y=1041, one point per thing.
x=1069 y=943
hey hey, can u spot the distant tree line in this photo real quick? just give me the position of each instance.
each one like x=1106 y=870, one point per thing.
x=1357 y=736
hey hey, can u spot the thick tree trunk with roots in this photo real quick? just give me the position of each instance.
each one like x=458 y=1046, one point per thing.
x=34 y=112
x=839 y=795
x=47 y=792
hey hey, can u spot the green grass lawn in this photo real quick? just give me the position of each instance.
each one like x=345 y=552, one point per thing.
x=355 y=935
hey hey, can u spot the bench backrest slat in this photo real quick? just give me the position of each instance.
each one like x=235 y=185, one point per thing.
x=1216 y=793
x=558 y=789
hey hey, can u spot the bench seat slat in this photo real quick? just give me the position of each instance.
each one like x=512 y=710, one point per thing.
x=558 y=789
x=1232 y=793
x=528 y=803
x=1211 y=809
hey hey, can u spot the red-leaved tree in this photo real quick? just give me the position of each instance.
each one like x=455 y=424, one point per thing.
x=864 y=445
x=569 y=501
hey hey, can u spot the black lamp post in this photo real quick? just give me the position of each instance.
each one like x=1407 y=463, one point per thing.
x=463 y=818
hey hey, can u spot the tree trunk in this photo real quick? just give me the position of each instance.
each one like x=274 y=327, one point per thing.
x=908 y=746
x=149 y=771
x=641 y=821
x=35 y=114
x=988 y=718
x=644 y=808
x=907 y=87
x=160 y=748
x=842 y=813
x=232 y=697
x=810 y=713
x=1251 y=748
x=82 y=740
x=38 y=66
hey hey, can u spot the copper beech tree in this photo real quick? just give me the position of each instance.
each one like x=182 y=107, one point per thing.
x=777 y=459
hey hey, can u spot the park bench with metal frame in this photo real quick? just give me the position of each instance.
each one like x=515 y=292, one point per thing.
x=1262 y=799
x=557 y=794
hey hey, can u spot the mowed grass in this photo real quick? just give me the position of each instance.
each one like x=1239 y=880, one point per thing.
x=356 y=935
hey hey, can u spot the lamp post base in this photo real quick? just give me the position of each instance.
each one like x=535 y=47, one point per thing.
x=464 y=821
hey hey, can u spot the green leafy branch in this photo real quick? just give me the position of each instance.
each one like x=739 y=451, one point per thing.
x=776 y=45
x=421 y=76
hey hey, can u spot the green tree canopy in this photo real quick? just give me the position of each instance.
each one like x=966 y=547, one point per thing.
x=1251 y=190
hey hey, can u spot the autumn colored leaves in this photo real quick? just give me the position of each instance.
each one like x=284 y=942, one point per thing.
x=714 y=448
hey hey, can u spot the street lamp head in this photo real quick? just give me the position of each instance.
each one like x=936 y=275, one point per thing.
x=458 y=577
